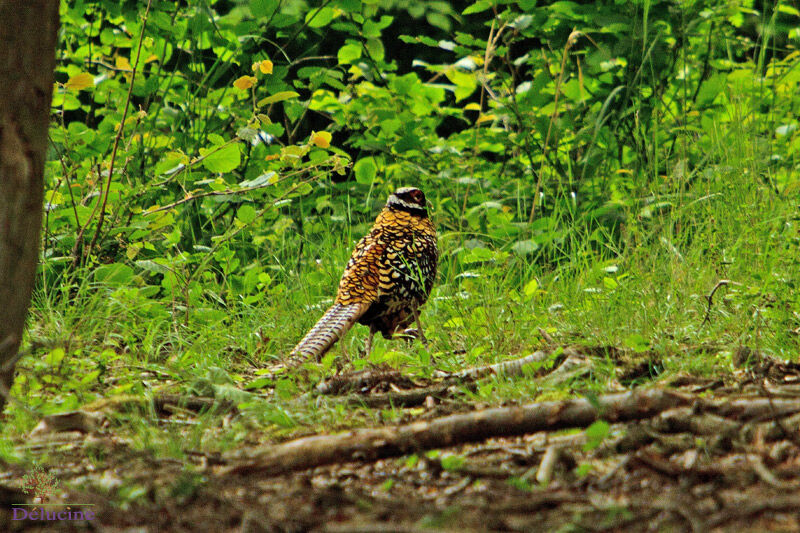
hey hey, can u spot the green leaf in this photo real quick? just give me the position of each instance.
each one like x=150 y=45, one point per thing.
x=277 y=97
x=274 y=129
x=246 y=214
x=636 y=342
x=267 y=178
x=453 y=462
x=531 y=287
x=789 y=10
x=375 y=49
x=246 y=133
x=596 y=434
x=302 y=190
x=223 y=160
x=478 y=255
x=349 y=53
x=365 y=170
x=477 y=7
x=320 y=18
x=710 y=89
x=55 y=357
x=208 y=315
x=610 y=283
x=525 y=247
x=351 y=6
x=390 y=125
x=263 y=8
x=170 y=164
x=113 y=274
x=152 y=266
x=260 y=383
x=372 y=29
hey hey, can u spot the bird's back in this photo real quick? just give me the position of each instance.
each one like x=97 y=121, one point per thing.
x=393 y=267
x=389 y=275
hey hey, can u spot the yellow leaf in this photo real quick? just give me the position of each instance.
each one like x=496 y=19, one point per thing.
x=485 y=118
x=122 y=63
x=151 y=58
x=264 y=66
x=80 y=81
x=472 y=106
x=133 y=250
x=321 y=138
x=245 y=82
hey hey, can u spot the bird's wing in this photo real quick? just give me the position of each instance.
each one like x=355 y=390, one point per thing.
x=362 y=277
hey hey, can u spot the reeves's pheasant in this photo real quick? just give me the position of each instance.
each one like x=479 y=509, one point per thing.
x=388 y=277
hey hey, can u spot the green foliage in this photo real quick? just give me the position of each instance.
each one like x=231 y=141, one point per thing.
x=593 y=169
x=539 y=130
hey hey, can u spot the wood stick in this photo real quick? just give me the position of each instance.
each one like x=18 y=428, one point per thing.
x=373 y=444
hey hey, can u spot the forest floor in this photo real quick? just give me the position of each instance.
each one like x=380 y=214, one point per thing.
x=684 y=454
x=606 y=388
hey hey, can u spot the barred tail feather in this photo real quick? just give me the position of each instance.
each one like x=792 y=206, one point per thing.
x=331 y=327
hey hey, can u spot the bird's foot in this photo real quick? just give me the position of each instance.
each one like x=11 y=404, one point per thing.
x=413 y=333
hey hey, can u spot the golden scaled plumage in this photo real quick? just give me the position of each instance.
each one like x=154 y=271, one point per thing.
x=389 y=276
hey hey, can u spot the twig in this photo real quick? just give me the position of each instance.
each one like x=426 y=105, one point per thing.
x=409 y=398
x=570 y=41
x=766 y=476
x=746 y=509
x=227 y=192
x=776 y=420
x=546 y=336
x=549 y=461
x=506 y=368
x=358 y=380
x=710 y=297
x=120 y=131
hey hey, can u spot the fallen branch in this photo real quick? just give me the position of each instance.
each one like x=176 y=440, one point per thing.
x=355 y=381
x=506 y=368
x=363 y=379
x=789 y=503
x=407 y=398
x=373 y=444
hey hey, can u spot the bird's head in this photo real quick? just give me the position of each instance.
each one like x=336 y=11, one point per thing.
x=408 y=199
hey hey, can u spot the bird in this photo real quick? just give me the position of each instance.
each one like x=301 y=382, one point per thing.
x=387 y=279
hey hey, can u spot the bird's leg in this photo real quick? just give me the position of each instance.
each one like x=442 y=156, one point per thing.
x=369 y=343
x=419 y=328
x=416 y=333
x=344 y=351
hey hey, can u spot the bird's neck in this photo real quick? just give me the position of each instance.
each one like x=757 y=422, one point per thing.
x=406 y=208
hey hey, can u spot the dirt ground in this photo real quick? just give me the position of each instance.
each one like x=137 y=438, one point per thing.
x=697 y=468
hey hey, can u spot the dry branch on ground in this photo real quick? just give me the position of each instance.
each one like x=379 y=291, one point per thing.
x=372 y=444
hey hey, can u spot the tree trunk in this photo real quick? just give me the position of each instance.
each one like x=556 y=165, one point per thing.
x=28 y=36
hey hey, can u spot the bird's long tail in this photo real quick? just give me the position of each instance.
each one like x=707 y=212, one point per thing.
x=331 y=327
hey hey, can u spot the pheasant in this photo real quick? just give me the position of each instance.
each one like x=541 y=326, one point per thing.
x=389 y=276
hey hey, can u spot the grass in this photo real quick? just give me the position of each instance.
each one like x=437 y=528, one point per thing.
x=643 y=290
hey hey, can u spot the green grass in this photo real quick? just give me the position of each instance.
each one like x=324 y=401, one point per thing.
x=643 y=289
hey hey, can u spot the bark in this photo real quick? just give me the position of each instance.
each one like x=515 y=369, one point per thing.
x=373 y=444
x=28 y=36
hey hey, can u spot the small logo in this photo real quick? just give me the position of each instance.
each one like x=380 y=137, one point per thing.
x=39 y=483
